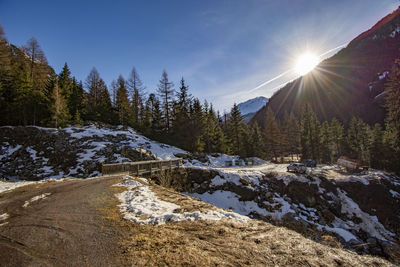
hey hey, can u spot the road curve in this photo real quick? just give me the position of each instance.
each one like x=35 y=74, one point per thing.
x=59 y=224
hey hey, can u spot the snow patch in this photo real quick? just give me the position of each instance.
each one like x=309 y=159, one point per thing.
x=369 y=224
x=394 y=193
x=7 y=186
x=217 y=181
x=36 y=198
x=229 y=200
x=383 y=75
x=4 y=216
x=395 y=32
x=140 y=205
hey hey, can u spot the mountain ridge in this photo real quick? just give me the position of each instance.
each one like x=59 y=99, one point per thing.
x=346 y=84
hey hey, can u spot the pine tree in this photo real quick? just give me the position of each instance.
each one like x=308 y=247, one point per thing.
x=60 y=115
x=156 y=117
x=6 y=78
x=98 y=107
x=136 y=90
x=122 y=102
x=181 y=135
x=337 y=134
x=392 y=121
x=237 y=132
x=65 y=82
x=309 y=133
x=196 y=127
x=378 y=160
x=359 y=140
x=220 y=142
x=293 y=135
x=325 y=143
x=166 y=93
x=77 y=101
x=272 y=135
x=105 y=110
x=257 y=142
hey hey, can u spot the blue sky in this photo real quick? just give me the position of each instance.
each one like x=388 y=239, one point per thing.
x=223 y=49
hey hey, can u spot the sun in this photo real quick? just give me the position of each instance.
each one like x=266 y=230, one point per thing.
x=306 y=63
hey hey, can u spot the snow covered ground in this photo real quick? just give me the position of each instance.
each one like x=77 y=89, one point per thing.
x=278 y=205
x=140 y=205
x=37 y=156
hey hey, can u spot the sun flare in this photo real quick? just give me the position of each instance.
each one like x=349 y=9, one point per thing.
x=306 y=63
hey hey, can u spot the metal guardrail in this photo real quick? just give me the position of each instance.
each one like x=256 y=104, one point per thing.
x=141 y=167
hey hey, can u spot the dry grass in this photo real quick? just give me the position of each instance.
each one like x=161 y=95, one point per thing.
x=223 y=243
x=186 y=203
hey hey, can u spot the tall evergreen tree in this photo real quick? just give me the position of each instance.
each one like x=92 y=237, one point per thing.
x=60 y=115
x=77 y=101
x=272 y=135
x=359 y=140
x=392 y=122
x=181 y=135
x=157 y=127
x=99 y=107
x=196 y=127
x=309 y=133
x=257 y=142
x=122 y=102
x=65 y=82
x=237 y=132
x=325 y=143
x=136 y=90
x=337 y=134
x=166 y=93
x=378 y=157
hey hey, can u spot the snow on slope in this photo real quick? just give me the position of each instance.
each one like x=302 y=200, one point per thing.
x=35 y=153
x=223 y=192
x=140 y=205
x=252 y=105
x=39 y=153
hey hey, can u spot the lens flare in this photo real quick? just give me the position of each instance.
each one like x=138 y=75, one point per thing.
x=306 y=63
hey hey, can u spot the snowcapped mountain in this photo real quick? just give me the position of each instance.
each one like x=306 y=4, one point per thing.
x=251 y=106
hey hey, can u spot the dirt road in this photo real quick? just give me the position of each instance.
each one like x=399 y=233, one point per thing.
x=59 y=224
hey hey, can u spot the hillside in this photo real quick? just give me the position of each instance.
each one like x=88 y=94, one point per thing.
x=348 y=83
x=35 y=153
x=251 y=106
x=357 y=212
x=79 y=222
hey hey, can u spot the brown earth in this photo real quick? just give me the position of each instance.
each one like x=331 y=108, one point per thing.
x=68 y=228
x=79 y=224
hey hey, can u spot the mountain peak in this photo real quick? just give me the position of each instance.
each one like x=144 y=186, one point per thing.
x=252 y=105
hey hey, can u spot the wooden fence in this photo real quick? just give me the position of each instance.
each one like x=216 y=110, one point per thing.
x=141 y=167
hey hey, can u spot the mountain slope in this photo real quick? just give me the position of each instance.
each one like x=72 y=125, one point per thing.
x=251 y=106
x=346 y=84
